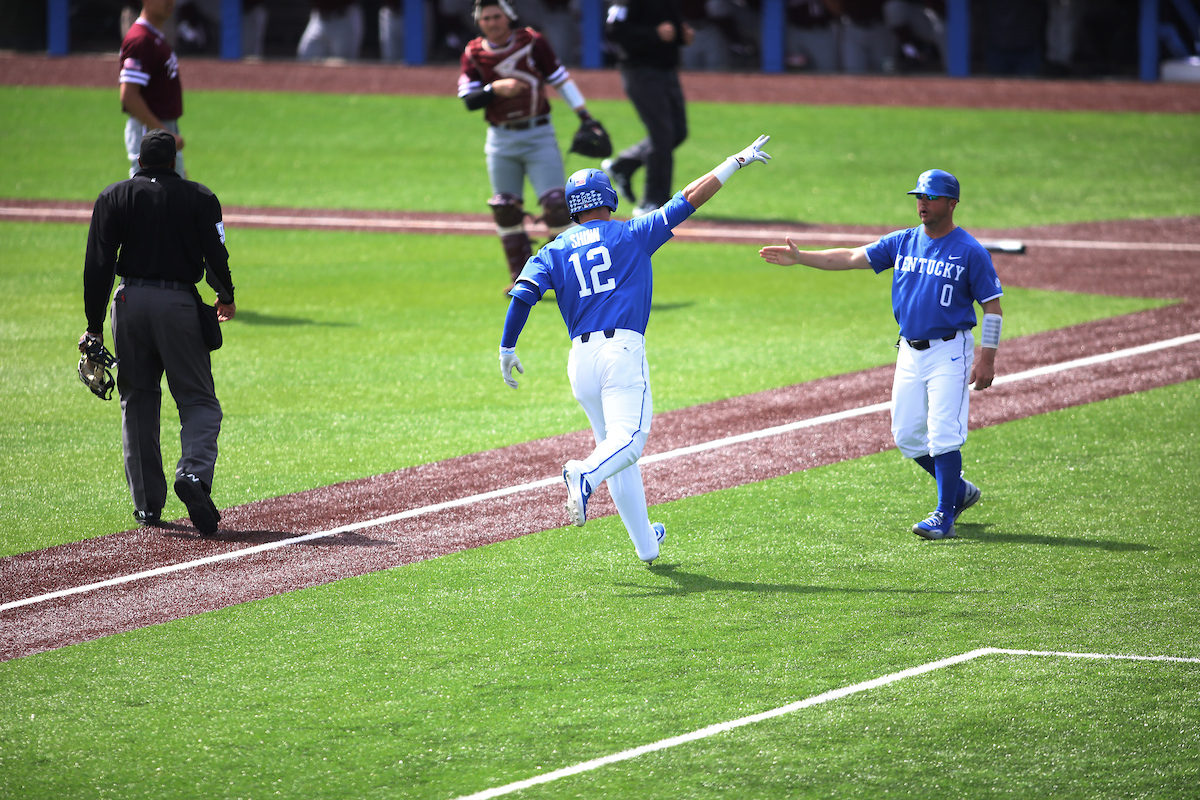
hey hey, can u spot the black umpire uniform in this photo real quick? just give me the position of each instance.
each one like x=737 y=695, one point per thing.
x=650 y=74
x=161 y=234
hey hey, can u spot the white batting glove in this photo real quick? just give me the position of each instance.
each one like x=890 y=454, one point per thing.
x=509 y=361
x=753 y=152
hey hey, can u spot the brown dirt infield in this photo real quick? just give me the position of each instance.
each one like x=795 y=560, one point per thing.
x=1124 y=269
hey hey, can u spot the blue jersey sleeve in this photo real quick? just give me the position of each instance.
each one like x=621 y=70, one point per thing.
x=654 y=230
x=534 y=280
x=881 y=254
x=985 y=283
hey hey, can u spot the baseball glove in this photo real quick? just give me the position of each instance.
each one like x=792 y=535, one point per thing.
x=591 y=140
x=93 y=369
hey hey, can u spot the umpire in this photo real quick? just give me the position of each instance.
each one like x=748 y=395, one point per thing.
x=161 y=234
x=647 y=35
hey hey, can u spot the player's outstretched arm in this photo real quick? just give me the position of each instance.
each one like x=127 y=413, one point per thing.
x=701 y=190
x=838 y=258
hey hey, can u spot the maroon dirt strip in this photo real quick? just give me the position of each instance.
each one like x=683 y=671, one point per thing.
x=78 y=618
x=934 y=91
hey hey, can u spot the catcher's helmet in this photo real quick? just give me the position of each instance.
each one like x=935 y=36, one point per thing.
x=937 y=182
x=588 y=189
x=504 y=5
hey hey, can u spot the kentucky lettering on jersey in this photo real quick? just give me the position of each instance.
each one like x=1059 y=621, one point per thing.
x=935 y=282
x=600 y=271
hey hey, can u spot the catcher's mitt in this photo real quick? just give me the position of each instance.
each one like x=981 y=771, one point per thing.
x=93 y=369
x=591 y=140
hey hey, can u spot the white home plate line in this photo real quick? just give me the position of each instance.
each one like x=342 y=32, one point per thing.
x=525 y=487
x=836 y=694
x=486 y=226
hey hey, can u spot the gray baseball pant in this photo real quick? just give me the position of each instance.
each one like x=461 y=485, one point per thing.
x=155 y=331
x=135 y=130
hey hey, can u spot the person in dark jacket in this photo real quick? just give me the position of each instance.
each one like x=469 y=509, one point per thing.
x=646 y=36
x=161 y=234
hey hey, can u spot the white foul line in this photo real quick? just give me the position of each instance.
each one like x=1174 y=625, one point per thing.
x=836 y=694
x=486 y=226
x=525 y=487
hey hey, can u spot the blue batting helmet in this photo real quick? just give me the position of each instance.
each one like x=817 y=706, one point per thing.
x=588 y=189
x=937 y=182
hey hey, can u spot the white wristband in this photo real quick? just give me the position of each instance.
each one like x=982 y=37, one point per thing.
x=507 y=350
x=726 y=168
x=990 y=336
x=570 y=92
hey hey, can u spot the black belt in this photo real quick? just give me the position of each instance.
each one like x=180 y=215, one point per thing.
x=608 y=334
x=923 y=344
x=523 y=125
x=157 y=283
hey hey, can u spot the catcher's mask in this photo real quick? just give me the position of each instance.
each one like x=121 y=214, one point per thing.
x=504 y=6
x=93 y=369
x=937 y=182
x=588 y=189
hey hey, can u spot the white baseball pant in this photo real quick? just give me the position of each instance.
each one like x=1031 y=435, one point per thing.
x=611 y=380
x=931 y=396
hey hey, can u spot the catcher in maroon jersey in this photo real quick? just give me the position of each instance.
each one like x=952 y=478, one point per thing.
x=505 y=72
x=151 y=93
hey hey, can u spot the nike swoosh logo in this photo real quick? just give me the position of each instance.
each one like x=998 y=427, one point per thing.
x=954 y=258
x=956 y=358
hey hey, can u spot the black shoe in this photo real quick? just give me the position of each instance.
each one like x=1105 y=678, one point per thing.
x=622 y=178
x=194 y=494
x=150 y=517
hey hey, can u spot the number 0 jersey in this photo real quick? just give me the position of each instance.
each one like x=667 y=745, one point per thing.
x=936 y=281
x=600 y=271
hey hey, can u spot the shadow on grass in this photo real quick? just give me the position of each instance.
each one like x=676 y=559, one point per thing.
x=980 y=533
x=254 y=318
x=672 y=306
x=690 y=583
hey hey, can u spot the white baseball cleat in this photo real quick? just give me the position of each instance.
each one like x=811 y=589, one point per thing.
x=660 y=534
x=971 y=497
x=578 y=491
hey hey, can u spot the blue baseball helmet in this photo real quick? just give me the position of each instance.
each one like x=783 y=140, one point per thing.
x=588 y=189
x=937 y=182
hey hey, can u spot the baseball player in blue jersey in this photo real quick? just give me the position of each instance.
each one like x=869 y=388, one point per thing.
x=602 y=280
x=939 y=273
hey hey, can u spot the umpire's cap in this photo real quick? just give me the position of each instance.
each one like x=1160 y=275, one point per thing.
x=588 y=189
x=158 y=148
x=937 y=182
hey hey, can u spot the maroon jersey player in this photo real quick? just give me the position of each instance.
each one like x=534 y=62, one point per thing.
x=151 y=93
x=506 y=72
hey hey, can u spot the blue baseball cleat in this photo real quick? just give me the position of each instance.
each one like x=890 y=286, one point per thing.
x=934 y=527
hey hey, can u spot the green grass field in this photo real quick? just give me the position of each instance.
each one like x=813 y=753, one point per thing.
x=832 y=164
x=492 y=665
x=355 y=354
x=348 y=350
